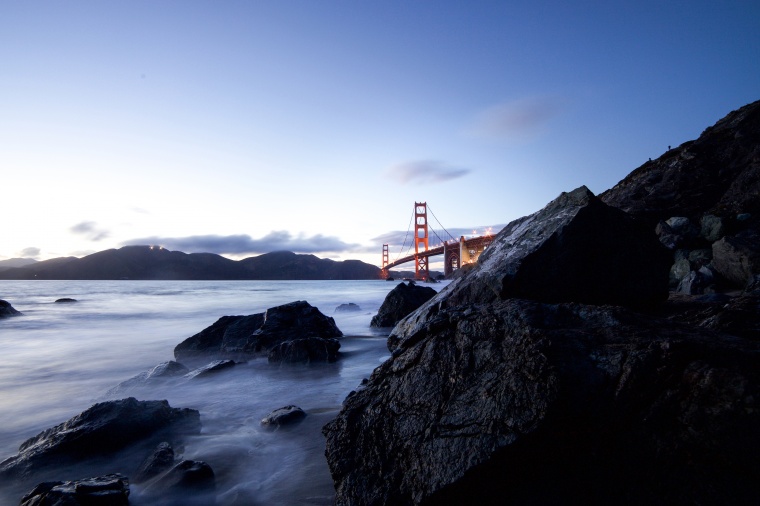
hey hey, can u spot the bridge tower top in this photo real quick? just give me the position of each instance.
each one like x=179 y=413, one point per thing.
x=385 y=256
x=421 y=270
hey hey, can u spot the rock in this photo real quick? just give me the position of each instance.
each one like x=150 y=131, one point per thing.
x=101 y=430
x=242 y=337
x=210 y=368
x=711 y=227
x=108 y=490
x=65 y=300
x=187 y=476
x=399 y=302
x=229 y=337
x=737 y=258
x=287 y=415
x=307 y=350
x=697 y=282
x=678 y=271
x=754 y=284
x=7 y=310
x=522 y=402
x=160 y=374
x=346 y=308
x=161 y=460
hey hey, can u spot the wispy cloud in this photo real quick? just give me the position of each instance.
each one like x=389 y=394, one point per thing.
x=30 y=252
x=425 y=171
x=241 y=244
x=90 y=230
x=516 y=120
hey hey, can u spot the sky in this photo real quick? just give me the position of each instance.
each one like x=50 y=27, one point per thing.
x=243 y=127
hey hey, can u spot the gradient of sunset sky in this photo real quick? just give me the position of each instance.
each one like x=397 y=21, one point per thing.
x=242 y=127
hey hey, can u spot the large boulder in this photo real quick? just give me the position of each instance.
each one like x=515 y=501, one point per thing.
x=108 y=490
x=305 y=351
x=737 y=258
x=102 y=430
x=521 y=402
x=399 y=302
x=7 y=310
x=241 y=337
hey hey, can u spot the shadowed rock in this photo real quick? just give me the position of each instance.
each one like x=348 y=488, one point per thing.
x=399 y=302
x=108 y=490
x=7 y=310
x=101 y=430
x=305 y=351
x=210 y=368
x=159 y=375
x=157 y=462
x=287 y=415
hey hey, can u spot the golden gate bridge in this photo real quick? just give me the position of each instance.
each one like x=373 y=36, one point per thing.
x=456 y=252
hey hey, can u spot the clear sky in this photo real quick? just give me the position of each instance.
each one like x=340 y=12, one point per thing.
x=242 y=127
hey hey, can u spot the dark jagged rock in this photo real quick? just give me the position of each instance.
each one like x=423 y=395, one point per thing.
x=101 y=430
x=108 y=490
x=7 y=310
x=521 y=402
x=239 y=337
x=161 y=460
x=304 y=351
x=737 y=258
x=287 y=415
x=187 y=476
x=229 y=337
x=160 y=374
x=399 y=302
x=65 y=300
x=348 y=308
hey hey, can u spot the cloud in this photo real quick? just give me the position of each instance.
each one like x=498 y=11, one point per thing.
x=522 y=119
x=30 y=252
x=397 y=238
x=278 y=240
x=425 y=171
x=89 y=230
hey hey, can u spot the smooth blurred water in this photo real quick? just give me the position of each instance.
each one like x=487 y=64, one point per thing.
x=59 y=359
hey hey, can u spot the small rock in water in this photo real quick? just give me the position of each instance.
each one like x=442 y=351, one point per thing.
x=211 y=368
x=283 y=416
x=108 y=490
x=65 y=300
x=158 y=462
x=7 y=310
x=347 y=308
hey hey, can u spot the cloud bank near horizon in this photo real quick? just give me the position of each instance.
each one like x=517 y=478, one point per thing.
x=242 y=244
x=425 y=171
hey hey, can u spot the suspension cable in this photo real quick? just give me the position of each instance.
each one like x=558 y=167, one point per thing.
x=444 y=228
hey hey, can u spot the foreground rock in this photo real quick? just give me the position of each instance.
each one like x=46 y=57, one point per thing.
x=7 y=310
x=521 y=402
x=241 y=337
x=287 y=415
x=305 y=351
x=108 y=490
x=102 y=430
x=399 y=302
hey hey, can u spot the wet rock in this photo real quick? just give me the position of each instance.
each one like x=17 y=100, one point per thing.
x=711 y=228
x=108 y=490
x=521 y=402
x=161 y=460
x=187 y=476
x=241 y=337
x=304 y=351
x=210 y=368
x=697 y=282
x=737 y=258
x=159 y=375
x=7 y=310
x=348 y=308
x=287 y=415
x=65 y=300
x=102 y=430
x=400 y=302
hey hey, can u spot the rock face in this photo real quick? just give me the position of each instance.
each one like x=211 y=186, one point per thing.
x=703 y=195
x=522 y=402
x=103 y=429
x=399 y=302
x=241 y=337
x=305 y=351
x=7 y=310
x=108 y=490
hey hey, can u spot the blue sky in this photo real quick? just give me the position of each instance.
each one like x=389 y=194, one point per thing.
x=241 y=127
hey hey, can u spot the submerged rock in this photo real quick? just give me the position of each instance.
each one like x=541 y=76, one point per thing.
x=7 y=310
x=65 y=300
x=158 y=375
x=347 y=308
x=102 y=430
x=108 y=490
x=522 y=402
x=400 y=302
x=240 y=337
x=161 y=460
x=210 y=368
x=287 y=415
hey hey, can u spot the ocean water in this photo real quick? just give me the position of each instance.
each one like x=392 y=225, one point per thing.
x=59 y=359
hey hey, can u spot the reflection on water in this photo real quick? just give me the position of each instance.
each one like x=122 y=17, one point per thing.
x=59 y=359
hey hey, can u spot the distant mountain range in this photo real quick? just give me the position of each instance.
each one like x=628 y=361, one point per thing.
x=155 y=263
